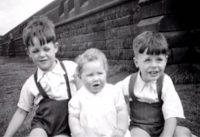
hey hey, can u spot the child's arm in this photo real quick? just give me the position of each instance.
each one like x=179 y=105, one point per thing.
x=171 y=108
x=169 y=127
x=75 y=127
x=122 y=117
x=16 y=122
x=122 y=122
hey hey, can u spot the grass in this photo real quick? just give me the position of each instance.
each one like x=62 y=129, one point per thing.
x=14 y=72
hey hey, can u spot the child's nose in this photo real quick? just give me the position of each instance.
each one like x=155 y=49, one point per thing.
x=153 y=63
x=95 y=77
x=42 y=53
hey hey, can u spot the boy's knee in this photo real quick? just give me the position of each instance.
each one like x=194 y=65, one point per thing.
x=38 y=132
x=182 y=132
x=138 y=132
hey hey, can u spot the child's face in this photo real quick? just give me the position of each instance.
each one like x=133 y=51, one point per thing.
x=43 y=56
x=150 y=66
x=93 y=76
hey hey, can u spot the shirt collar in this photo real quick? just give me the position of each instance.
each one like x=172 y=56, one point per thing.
x=89 y=94
x=58 y=70
x=140 y=84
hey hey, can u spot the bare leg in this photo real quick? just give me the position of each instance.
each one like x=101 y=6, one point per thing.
x=38 y=132
x=182 y=132
x=61 y=136
x=138 y=132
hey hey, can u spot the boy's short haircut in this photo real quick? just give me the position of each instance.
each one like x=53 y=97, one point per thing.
x=40 y=27
x=154 y=42
x=90 y=55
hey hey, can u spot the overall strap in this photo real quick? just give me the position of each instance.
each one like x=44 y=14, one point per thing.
x=130 y=90
x=132 y=84
x=41 y=90
x=66 y=79
x=159 y=85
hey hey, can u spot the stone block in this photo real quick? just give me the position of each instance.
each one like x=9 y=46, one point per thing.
x=121 y=54
x=152 y=8
x=114 y=44
x=163 y=23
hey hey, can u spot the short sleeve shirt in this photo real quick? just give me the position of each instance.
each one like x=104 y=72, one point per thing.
x=172 y=106
x=53 y=83
x=97 y=112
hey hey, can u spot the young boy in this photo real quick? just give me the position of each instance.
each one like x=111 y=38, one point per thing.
x=153 y=101
x=48 y=88
x=98 y=109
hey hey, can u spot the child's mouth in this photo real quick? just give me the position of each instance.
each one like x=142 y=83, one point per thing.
x=43 y=60
x=96 y=85
x=153 y=73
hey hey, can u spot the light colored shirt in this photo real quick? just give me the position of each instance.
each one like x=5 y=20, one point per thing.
x=53 y=83
x=147 y=92
x=97 y=112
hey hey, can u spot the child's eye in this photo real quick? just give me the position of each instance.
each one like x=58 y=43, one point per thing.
x=46 y=49
x=147 y=60
x=100 y=73
x=159 y=59
x=35 y=51
x=89 y=75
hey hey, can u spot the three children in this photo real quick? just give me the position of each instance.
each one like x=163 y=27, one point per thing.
x=98 y=108
x=153 y=101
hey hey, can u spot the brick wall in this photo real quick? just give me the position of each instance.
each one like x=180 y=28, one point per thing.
x=181 y=28
x=110 y=30
x=109 y=27
x=112 y=26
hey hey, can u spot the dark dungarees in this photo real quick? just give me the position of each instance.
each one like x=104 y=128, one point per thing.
x=52 y=115
x=146 y=116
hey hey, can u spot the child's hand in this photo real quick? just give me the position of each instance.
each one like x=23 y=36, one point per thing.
x=91 y=133
x=117 y=133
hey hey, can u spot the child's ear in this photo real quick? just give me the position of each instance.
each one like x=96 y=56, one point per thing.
x=135 y=61
x=56 y=46
x=27 y=52
x=167 y=57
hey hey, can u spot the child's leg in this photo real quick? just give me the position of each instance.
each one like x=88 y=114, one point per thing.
x=138 y=132
x=38 y=132
x=61 y=136
x=182 y=132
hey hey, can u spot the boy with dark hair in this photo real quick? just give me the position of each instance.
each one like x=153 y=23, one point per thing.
x=50 y=88
x=153 y=101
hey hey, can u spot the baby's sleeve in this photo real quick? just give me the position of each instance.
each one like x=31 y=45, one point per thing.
x=74 y=106
x=119 y=99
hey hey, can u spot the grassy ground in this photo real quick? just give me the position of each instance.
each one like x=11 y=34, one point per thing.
x=14 y=72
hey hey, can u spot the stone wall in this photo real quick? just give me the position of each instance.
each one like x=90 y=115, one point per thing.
x=111 y=26
x=178 y=24
x=177 y=20
x=110 y=29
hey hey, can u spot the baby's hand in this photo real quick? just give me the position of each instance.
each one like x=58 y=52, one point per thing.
x=91 y=133
x=117 y=133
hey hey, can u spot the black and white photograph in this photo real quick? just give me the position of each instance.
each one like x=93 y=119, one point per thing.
x=99 y=68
